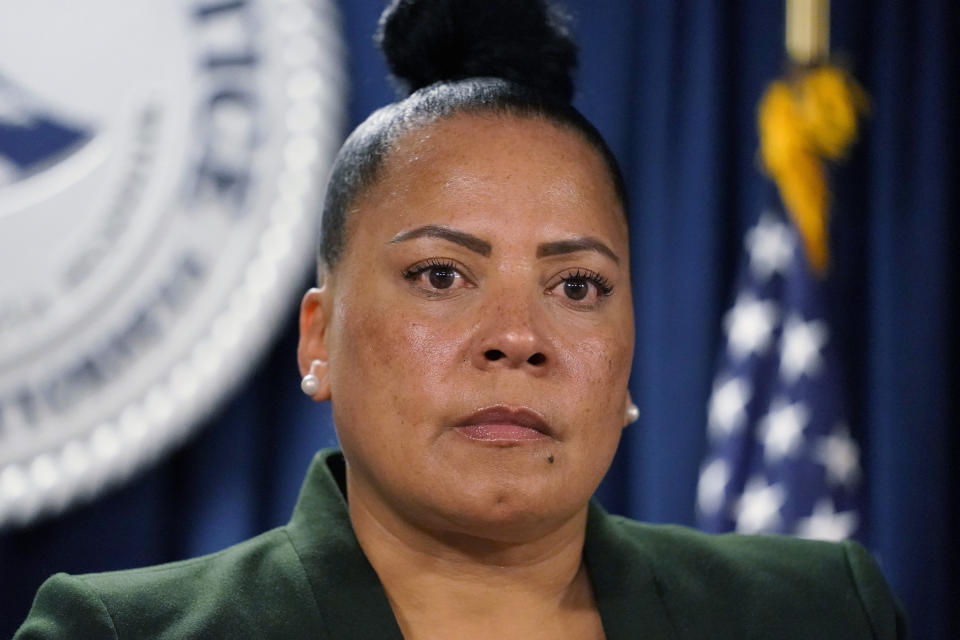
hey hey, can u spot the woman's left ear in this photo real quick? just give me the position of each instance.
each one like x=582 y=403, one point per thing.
x=311 y=349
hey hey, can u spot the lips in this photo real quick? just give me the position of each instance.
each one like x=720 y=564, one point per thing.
x=503 y=424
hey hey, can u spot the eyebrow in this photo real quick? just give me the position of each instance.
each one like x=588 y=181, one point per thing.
x=484 y=248
x=471 y=242
x=585 y=243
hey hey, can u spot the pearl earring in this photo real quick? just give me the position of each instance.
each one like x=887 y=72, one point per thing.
x=310 y=384
x=632 y=413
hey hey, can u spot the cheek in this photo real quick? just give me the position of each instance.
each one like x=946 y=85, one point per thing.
x=600 y=359
x=598 y=367
x=392 y=353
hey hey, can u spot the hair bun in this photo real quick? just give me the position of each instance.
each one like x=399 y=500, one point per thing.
x=524 y=41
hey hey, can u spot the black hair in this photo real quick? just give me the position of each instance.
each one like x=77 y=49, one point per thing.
x=501 y=57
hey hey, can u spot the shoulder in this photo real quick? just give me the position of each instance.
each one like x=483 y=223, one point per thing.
x=731 y=555
x=804 y=588
x=246 y=590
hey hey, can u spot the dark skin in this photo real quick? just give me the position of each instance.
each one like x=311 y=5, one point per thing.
x=487 y=267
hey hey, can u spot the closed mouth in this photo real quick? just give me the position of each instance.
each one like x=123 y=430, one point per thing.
x=502 y=423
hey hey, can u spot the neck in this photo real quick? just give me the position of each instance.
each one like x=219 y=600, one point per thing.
x=450 y=584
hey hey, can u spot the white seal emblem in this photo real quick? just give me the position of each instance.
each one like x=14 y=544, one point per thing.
x=160 y=169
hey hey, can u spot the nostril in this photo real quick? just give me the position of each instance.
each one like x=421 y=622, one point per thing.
x=494 y=354
x=537 y=359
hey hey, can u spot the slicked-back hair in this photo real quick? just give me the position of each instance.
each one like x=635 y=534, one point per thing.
x=361 y=158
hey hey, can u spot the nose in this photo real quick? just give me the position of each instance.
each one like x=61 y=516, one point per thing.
x=512 y=336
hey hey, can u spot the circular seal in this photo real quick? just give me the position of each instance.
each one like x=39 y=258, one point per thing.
x=159 y=179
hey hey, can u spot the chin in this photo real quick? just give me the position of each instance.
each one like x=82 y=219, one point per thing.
x=510 y=510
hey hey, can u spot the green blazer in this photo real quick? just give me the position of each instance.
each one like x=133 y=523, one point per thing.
x=310 y=579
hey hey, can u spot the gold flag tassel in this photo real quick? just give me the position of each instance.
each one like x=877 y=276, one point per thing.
x=805 y=119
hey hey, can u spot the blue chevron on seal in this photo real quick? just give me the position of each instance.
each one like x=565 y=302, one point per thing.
x=32 y=135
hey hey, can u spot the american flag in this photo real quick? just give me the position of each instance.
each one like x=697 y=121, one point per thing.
x=781 y=457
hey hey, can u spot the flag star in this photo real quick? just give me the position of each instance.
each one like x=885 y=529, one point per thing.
x=758 y=510
x=727 y=412
x=800 y=349
x=712 y=486
x=749 y=325
x=825 y=523
x=781 y=430
x=770 y=245
x=840 y=456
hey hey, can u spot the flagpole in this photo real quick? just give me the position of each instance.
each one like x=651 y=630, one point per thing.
x=808 y=31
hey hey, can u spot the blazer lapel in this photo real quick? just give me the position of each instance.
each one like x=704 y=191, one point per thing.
x=349 y=595
x=629 y=597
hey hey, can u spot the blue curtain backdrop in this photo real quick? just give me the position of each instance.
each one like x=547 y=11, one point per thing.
x=673 y=85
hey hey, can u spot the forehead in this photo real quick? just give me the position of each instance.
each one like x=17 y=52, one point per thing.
x=487 y=166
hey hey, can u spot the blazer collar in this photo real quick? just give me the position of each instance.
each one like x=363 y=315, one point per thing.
x=629 y=595
x=351 y=599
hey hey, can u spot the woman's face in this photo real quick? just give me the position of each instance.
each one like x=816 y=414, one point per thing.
x=477 y=334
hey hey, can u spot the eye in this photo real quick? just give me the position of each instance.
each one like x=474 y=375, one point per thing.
x=435 y=275
x=583 y=286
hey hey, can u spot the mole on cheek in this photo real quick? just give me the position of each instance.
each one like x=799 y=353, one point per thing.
x=550 y=459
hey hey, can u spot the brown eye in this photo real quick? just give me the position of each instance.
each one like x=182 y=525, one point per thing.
x=436 y=277
x=582 y=288
x=441 y=277
x=576 y=289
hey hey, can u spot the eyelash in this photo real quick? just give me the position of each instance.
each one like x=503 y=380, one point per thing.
x=604 y=286
x=433 y=263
